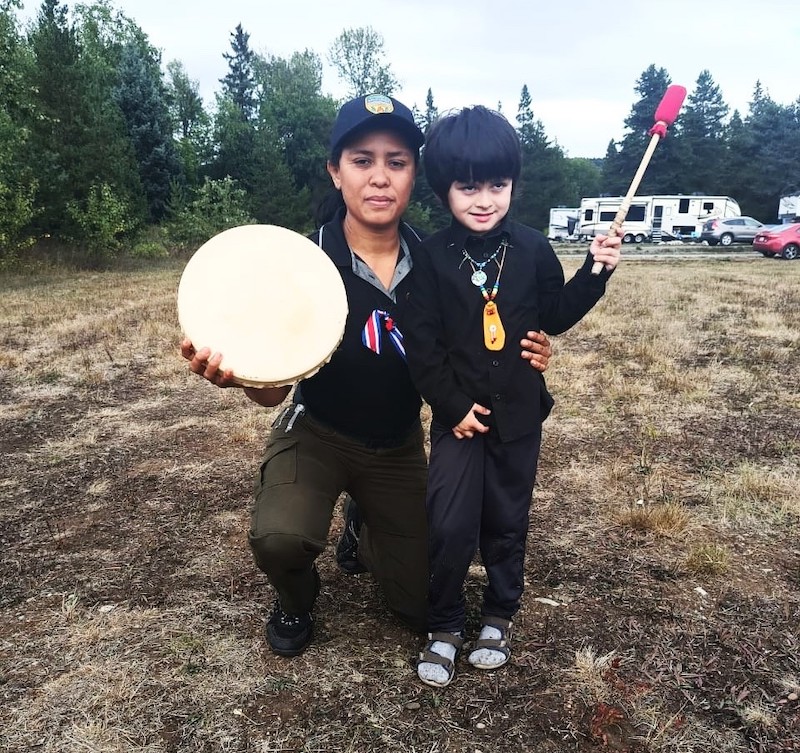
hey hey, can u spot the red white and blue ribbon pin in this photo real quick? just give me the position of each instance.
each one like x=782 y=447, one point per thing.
x=371 y=335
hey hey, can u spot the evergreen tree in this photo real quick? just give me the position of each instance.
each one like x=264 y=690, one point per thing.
x=583 y=178
x=739 y=153
x=248 y=148
x=78 y=141
x=77 y=138
x=772 y=132
x=56 y=80
x=299 y=116
x=426 y=210
x=191 y=125
x=791 y=178
x=17 y=183
x=141 y=98
x=253 y=157
x=664 y=171
x=703 y=137
x=431 y=112
x=542 y=183
x=238 y=85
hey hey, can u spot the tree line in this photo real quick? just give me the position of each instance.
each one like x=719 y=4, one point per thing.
x=103 y=148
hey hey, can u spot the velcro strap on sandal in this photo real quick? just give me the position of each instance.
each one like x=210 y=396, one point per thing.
x=504 y=626
x=431 y=656
x=453 y=640
x=434 y=658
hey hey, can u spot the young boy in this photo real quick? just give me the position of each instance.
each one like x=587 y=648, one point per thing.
x=479 y=285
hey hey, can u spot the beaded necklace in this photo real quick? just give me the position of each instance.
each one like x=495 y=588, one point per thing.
x=494 y=335
x=478 y=278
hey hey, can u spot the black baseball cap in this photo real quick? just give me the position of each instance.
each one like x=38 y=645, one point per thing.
x=371 y=112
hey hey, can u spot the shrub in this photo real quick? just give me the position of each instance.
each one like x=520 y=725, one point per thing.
x=103 y=218
x=217 y=206
x=16 y=213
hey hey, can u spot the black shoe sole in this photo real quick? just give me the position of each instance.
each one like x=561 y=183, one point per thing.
x=351 y=567
x=284 y=647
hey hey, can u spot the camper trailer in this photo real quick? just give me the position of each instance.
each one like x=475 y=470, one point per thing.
x=563 y=224
x=789 y=208
x=655 y=218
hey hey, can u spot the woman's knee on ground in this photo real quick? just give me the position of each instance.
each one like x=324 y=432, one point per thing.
x=407 y=600
x=285 y=551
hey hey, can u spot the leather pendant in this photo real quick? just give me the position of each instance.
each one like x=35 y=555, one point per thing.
x=494 y=336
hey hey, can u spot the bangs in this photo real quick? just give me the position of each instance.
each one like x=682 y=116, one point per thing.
x=490 y=162
x=475 y=145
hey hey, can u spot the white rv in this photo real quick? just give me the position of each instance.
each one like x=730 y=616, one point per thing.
x=789 y=208
x=656 y=218
x=563 y=223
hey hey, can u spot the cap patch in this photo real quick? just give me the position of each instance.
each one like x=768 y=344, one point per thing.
x=378 y=104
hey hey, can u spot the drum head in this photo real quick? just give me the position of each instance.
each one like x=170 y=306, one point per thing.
x=268 y=299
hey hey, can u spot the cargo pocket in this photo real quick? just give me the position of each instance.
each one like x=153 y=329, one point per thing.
x=279 y=464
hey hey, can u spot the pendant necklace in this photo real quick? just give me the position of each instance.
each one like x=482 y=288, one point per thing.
x=478 y=275
x=494 y=335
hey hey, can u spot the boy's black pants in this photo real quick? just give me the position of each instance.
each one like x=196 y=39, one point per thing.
x=479 y=496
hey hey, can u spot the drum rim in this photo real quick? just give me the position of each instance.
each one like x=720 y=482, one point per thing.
x=332 y=305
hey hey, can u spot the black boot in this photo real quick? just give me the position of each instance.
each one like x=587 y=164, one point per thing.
x=347 y=548
x=290 y=634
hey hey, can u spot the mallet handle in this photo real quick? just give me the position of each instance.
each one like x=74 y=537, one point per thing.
x=622 y=212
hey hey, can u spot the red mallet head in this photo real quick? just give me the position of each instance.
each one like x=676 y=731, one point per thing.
x=668 y=109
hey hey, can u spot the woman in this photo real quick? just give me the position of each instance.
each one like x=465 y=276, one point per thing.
x=354 y=426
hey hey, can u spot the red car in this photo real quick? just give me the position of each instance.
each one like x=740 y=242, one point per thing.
x=779 y=240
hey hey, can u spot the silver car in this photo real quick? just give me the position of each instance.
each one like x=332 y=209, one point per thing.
x=729 y=230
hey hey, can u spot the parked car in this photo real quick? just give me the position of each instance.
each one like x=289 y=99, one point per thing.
x=729 y=230
x=779 y=240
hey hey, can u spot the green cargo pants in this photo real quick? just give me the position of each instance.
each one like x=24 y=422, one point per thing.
x=305 y=468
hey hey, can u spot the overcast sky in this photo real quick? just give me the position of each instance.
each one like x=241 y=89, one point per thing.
x=579 y=58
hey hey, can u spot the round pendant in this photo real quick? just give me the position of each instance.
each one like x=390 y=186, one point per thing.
x=478 y=277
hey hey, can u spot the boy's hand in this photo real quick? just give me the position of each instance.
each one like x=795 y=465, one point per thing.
x=468 y=425
x=537 y=350
x=606 y=250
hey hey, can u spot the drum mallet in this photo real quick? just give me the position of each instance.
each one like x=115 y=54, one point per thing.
x=666 y=113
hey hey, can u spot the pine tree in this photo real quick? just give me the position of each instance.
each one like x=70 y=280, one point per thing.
x=78 y=139
x=183 y=100
x=299 y=117
x=141 y=98
x=664 y=171
x=703 y=137
x=17 y=182
x=426 y=210
x=239 y=83
x=772 y=133
x=191 y=125
x=739 y=153
x=542 y=183
x=431 y=112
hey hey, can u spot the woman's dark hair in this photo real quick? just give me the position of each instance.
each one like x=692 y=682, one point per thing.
x=473 y=144
x=327 y=207
x=332 y=201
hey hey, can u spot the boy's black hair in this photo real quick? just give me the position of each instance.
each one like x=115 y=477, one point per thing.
x=473 y=144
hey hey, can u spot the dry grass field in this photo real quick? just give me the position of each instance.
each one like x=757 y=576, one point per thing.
x=662 y=610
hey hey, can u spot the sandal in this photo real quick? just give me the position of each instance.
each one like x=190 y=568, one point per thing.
x=499 y=645
x=430 y=656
